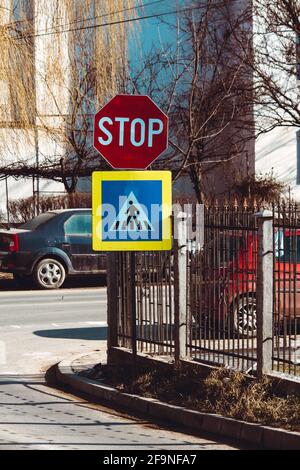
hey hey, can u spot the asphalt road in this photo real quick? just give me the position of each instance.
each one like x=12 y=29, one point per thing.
x=37 y=329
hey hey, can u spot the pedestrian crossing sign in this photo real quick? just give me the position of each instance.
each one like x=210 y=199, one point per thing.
x=132 y=210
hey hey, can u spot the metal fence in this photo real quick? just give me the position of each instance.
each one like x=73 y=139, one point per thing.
x=221 y=304
x=145 y=288
x=214 y=303
x=286 y=320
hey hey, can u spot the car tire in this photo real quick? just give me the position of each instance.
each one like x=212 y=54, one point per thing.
x=244 y=317
x=49 y=274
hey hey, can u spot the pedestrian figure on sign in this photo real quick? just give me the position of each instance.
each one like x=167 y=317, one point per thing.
x=133 y=214
x=132 y=217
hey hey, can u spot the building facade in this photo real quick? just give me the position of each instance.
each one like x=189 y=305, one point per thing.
x=46 y=100
x=56 y=69
x=277 y=47
x=27 y=107
x=273 y=42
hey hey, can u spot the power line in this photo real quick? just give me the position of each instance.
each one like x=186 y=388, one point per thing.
x=109 y=14
x=133 y=8
x=91 y=18
x=112 y=23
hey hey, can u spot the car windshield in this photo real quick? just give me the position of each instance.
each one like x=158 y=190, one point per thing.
x=38 y=221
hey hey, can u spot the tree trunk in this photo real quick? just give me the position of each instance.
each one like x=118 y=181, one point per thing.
x=197 y=181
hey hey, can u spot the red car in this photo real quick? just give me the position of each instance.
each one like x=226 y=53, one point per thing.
x=225 y=295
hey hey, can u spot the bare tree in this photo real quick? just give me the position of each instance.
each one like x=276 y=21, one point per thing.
x=233 y=63
x=59 y=63
x=233 y=76
x=275 y=63
x=206 y=92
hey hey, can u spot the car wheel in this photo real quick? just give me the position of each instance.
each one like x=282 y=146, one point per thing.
x=49 y=274
x=245 y=317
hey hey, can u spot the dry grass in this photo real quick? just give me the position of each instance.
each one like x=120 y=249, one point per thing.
x=223 y=392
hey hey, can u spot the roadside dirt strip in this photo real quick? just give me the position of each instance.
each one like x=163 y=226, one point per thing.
x=255 y=434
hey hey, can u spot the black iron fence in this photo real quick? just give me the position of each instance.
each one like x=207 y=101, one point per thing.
x=213 y=303
x=149 y=289
x=221 y=305
x=286 y=282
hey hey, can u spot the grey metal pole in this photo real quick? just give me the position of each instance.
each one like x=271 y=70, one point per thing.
x=133 y=312
x=7 y=199
x=264 y=293
x=180 y=287
x=112 y=303
x=37 y=191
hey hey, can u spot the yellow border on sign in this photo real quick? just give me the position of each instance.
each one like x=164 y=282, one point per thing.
x=165 y=177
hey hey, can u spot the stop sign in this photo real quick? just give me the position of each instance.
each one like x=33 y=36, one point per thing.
x=130 y=132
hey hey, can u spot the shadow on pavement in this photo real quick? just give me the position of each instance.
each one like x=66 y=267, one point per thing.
x=93 y=333
x=71 y=283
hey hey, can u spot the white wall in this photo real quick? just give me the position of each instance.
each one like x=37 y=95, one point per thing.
x=52 y=64
x=20 y=145
x=52 y=100
x=276 y=150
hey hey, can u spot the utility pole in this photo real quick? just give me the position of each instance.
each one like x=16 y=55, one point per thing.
x=7 y=199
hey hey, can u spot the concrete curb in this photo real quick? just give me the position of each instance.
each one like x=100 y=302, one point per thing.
x=261 y=436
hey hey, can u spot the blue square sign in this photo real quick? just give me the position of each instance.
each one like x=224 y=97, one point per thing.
x=132 y=210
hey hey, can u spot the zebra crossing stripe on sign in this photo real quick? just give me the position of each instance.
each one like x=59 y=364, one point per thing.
x=132 y=217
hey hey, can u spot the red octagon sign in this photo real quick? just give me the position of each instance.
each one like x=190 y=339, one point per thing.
x=130 y=132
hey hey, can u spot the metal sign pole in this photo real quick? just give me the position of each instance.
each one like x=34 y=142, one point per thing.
x=133 y=142
x=133 y=313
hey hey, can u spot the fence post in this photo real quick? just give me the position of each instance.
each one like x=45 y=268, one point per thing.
x=180 y=287
x=112 y=302
x=264 y=293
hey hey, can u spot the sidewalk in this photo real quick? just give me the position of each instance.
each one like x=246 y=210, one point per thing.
x=89 y=360
x=196 y=422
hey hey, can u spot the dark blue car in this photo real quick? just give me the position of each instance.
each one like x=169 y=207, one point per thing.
x=51 y=247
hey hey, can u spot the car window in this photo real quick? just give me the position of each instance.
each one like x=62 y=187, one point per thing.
x=79 y=224
x=287 y=248
x=38 y=221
